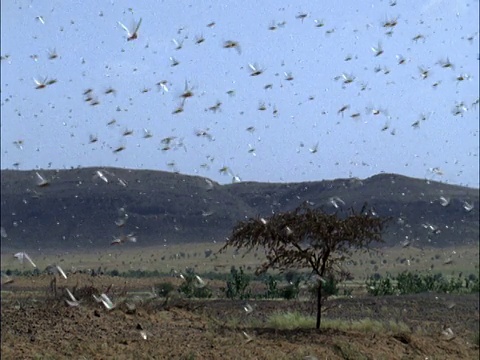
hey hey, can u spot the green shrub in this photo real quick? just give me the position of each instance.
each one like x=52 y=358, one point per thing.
x=378 y=286
x=163 y=288
x=237 y=284
x=191 y=289
x=410 y=283
x=291 y=291
x=330 y=287
x=414 y=283
x=472 y=284
x=272 y=288
x=114 y=272
x=455 y=285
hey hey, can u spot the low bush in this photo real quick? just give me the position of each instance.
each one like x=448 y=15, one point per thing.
x=378 y=286
x=414 y=283
x=164 y=288
x=291 y=291
x=191 y=288
x=237 y=285
x=272 y=288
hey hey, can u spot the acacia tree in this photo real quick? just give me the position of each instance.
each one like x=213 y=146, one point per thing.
x=308 y=238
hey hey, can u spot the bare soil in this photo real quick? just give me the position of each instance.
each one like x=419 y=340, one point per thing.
x=38 y=325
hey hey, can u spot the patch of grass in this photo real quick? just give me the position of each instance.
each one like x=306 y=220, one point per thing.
x=399 y=327
x=290 y=320
x=296 y=320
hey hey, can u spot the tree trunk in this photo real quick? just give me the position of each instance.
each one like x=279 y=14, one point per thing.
x=319 y=304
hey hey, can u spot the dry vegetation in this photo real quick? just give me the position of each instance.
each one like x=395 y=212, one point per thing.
x=38 y=325
x=179 y=257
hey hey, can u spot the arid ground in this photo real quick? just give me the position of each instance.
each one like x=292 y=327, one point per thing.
x=36 y=324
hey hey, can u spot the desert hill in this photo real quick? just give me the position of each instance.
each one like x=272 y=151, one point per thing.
x=79 y=210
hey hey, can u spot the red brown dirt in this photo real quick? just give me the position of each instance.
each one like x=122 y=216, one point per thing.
x=192 y=329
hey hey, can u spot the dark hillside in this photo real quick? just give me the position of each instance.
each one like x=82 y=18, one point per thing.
x=79 y=210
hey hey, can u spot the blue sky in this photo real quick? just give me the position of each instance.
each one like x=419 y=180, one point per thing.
x=300 y=136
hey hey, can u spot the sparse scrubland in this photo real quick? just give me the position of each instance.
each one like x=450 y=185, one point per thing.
x=231 y=313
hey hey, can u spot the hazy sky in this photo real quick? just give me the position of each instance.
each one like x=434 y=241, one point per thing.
x=428 y=125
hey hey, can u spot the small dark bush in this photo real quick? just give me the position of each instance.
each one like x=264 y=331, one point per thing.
x=291 y=276
x=291 y=291
x=163 y=288
x=330 y=287
x=272 y=288
x=114 y=272
x=191 y=289
x=237 y=285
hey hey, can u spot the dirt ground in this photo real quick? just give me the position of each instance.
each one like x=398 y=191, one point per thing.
x=38 y=325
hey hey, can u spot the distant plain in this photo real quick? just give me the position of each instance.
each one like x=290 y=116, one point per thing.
x=392 y=260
